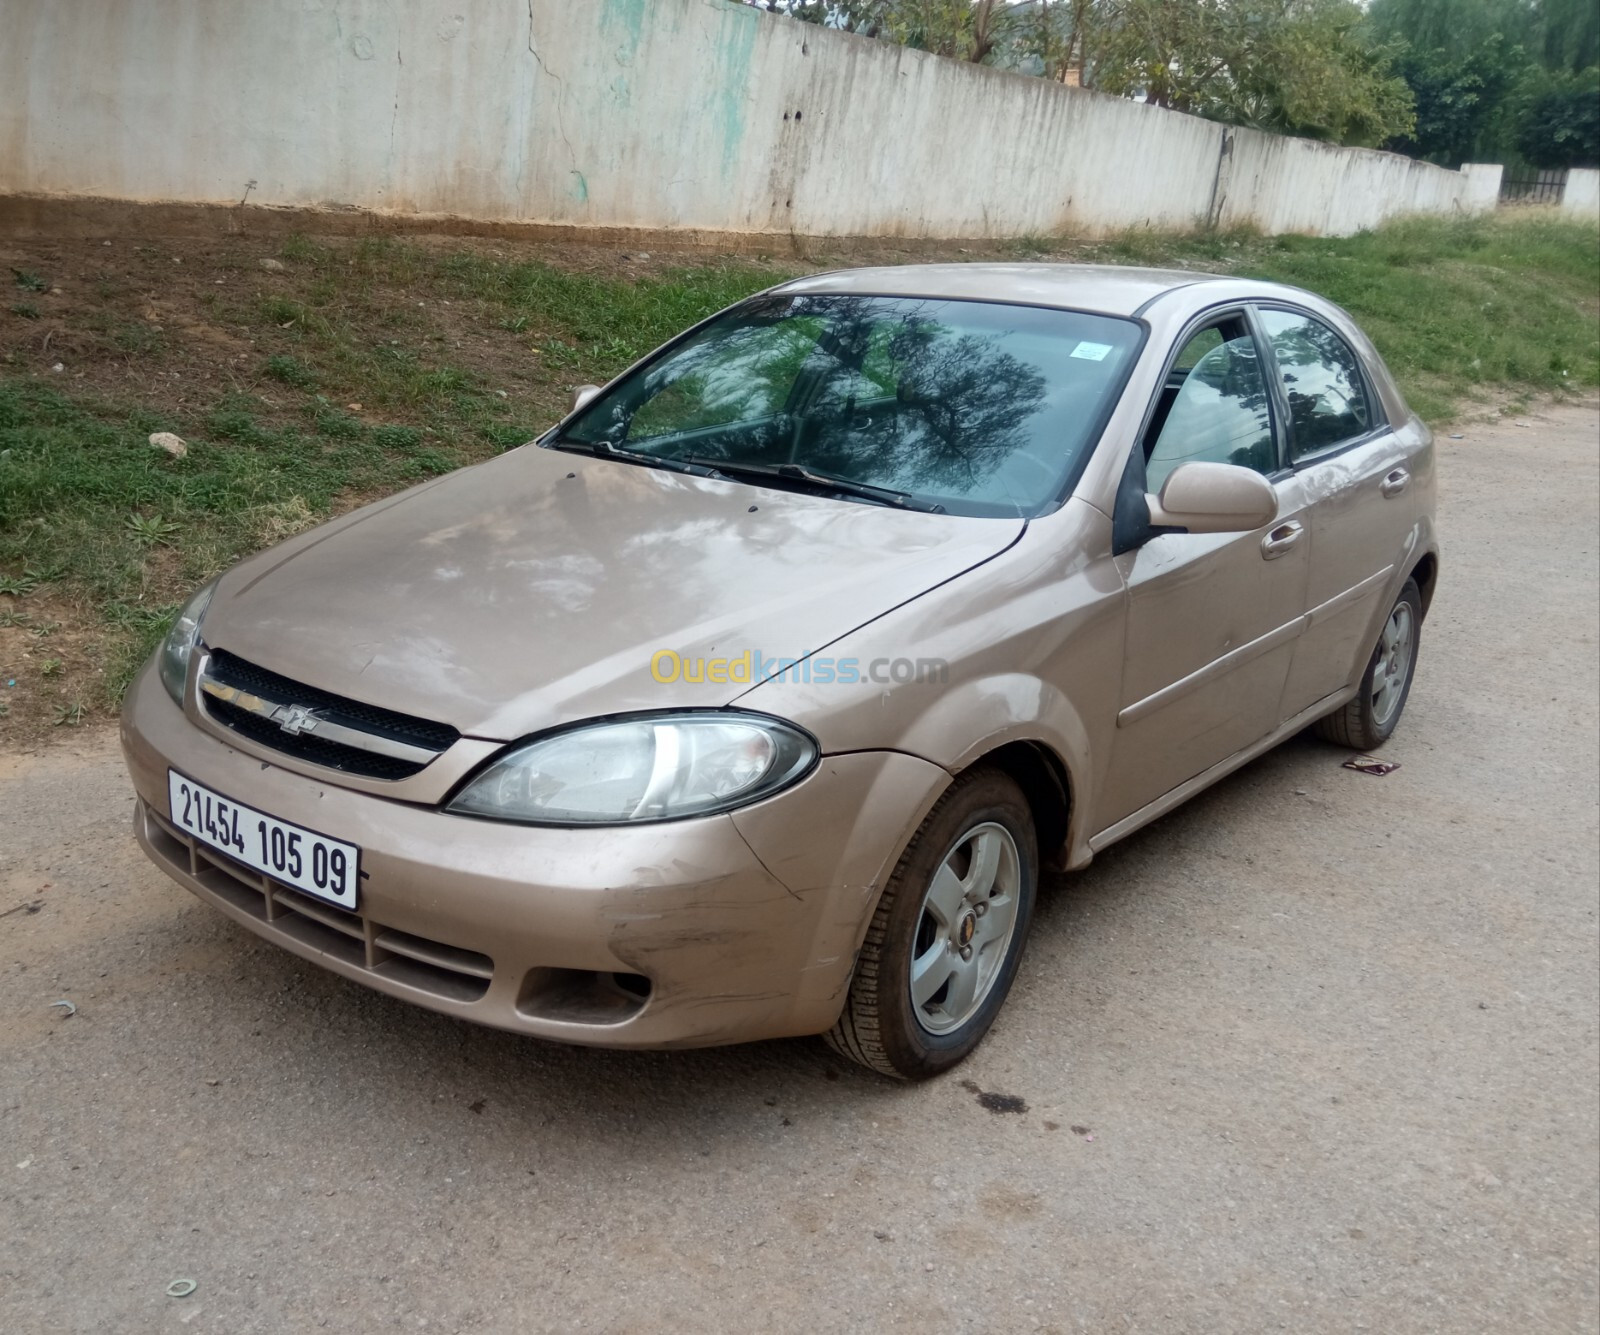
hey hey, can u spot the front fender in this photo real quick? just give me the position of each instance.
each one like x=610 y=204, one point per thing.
x=979 y=716
x=1028 y=648
x=833 y=843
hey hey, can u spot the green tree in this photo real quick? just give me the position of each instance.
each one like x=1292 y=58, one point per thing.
x=1293 y=66
x=1569 y=35
x=1057 y=35
x=969 y=30
x=1562 y=125
x=1461 y=101
x=1496 y=78
x=1456 y=28
x=1168 y=50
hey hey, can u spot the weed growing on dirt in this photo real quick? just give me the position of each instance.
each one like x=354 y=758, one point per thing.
x=69 y=715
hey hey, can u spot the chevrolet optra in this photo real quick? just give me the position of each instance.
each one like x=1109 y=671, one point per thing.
x=750 y=699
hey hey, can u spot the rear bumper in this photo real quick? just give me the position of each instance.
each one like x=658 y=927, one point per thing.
x=718 y=930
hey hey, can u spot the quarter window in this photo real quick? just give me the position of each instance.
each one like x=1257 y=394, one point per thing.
x=1328 y=401
x=1213 y=408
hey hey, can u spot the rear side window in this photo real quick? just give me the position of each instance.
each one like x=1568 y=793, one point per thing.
x=1328 y=402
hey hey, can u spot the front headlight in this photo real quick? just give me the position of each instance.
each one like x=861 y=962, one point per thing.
x=180 y=642
x=644 y=768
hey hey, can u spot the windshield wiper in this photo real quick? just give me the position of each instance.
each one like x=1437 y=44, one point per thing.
x=865 y=491
x=604 y=449
x=809 y=477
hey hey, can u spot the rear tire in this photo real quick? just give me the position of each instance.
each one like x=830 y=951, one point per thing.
x=1370 y=717
x=947 y=936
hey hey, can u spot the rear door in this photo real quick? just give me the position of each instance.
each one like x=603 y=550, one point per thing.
x=1356 y=478
x=1211 y=618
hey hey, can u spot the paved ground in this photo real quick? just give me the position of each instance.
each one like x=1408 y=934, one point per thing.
x=1318 y=1052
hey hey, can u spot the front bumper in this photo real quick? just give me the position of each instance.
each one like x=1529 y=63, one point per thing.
x=717 y=930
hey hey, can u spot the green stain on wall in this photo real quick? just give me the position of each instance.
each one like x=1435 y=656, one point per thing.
x=625 y=20
x=736 y=39
x=580 y=187
x=728 y=77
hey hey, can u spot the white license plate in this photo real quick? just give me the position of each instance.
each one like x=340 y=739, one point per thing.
x=312 y=863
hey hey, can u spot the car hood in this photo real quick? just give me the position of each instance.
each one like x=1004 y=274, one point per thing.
x=536 y=589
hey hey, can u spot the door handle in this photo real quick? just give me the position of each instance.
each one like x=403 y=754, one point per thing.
x=1395 y=482
x=1276 y=543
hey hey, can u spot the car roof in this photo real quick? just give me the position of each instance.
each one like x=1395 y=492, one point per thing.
x=1102 y=288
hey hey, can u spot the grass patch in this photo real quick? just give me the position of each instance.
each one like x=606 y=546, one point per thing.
x=598 y=324
x=290 y=371
x=353 y=369
x=364 y=379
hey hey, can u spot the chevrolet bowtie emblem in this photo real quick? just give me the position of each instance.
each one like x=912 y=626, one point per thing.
x=295 y=719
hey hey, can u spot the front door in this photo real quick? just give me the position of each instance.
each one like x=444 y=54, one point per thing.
x=1211 y=618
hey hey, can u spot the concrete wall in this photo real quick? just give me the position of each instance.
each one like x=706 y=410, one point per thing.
x=1483 y=185
x=1299 y=185
x=660 y=114
x=1582 y=193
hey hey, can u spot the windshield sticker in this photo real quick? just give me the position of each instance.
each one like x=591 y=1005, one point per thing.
x=1092 y=352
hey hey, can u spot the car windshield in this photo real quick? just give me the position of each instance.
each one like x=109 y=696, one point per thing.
x=975 y=408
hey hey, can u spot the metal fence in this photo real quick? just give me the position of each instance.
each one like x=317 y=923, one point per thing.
x=1533 y=187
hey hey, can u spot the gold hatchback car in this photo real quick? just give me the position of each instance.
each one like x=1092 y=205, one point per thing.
x=749 y=700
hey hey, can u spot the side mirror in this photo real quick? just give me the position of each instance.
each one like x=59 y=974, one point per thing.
x=581 y=394
x=1214 y=498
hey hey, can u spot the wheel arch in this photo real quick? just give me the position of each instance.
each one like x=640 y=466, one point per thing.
x=1029 y=728
x=1045 y=782
x=1426 y=574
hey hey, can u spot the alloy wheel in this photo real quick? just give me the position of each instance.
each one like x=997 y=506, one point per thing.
x=1395 y=649
x=963 y=934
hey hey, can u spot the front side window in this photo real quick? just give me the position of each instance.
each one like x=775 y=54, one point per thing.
x=975 y=408
x=1214 y=407
x=1328 y=402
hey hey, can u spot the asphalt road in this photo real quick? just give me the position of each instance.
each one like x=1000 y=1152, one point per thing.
x=1317 y=1052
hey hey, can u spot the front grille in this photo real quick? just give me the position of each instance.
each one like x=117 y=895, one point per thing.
x=309 y=748
x=449 y=972
x=369 y=721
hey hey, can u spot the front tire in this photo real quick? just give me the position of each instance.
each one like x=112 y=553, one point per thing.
x=1370 y=718
x=947 y=936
